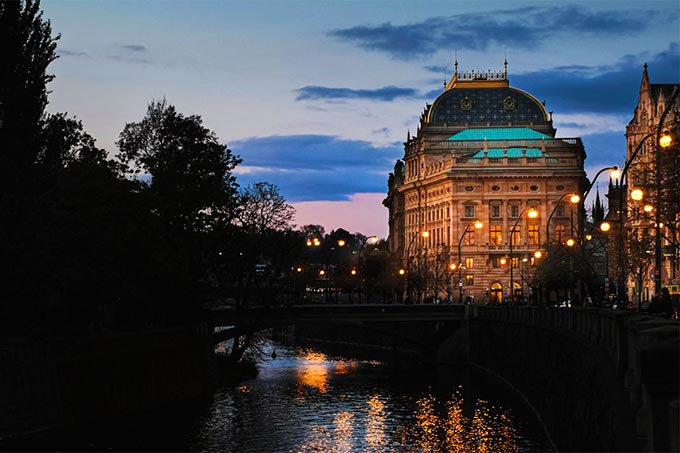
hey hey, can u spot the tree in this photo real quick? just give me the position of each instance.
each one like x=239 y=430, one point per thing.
x=313 y=231
x=263 y=208
x=267 y=244
x=27 y=49
x=192 y=185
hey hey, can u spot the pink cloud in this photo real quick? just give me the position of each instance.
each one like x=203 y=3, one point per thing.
x=363 y=213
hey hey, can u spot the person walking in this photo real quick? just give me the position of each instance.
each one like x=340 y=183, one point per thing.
x=661 y=304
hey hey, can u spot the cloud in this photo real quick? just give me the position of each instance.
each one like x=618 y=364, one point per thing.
x=315 y=167
x=388 y=93
x=606 y=89
x=129 y=59
x=521 y=28
x=130 y=53
x=439 y=69
x=72 y=53
x=133 y=47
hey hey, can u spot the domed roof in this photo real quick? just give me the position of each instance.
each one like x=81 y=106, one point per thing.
x=485 y=98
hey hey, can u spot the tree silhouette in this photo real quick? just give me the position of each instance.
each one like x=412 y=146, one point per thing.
x=192 y=185
x=27 y=49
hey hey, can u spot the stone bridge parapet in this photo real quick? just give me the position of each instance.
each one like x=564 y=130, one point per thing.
x=605 y=380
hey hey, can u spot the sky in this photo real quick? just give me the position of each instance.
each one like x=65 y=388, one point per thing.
x=317 y=97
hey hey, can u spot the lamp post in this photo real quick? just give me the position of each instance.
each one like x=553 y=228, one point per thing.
x=573 y=198
x=581 y=221
x=532 y=213
x=478 y=225
x=362 y=267
x=613 y=171
x=570 y=243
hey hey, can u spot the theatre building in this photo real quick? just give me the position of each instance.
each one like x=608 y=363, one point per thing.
x=483 y=184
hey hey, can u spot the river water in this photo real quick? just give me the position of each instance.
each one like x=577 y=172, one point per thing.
x=306 y=401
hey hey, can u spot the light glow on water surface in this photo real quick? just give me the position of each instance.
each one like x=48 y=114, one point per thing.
x=307 y=401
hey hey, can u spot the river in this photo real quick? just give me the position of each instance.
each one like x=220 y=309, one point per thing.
x=306 y=401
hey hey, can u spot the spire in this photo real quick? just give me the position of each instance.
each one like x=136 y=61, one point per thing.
x=408 y=135
x=598 y=210
x=455 y=63
x=505 y=64
x=644 y=85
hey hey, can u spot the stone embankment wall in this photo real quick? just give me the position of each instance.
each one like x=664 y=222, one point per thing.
x=601 y=380
x=46 y=384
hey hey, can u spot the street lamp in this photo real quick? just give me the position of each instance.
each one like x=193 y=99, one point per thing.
x=452 y=268
x=573 y=199
x=478 y=225
x=532 y=213
x=570 y=243
x=613 y=171
x=373 y=239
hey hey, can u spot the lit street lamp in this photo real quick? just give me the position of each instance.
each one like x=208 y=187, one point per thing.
x=573 y=198
x=532 y=213
x=478 y=225
x=361 y=262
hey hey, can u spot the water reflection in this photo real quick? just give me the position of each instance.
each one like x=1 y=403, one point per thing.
x=305 y=401
x=435 y=424
x=444 y=426
x=377 y=437
x=312 y=371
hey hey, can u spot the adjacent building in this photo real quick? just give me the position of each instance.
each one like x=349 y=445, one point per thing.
x=485 y=154
x=634 y=249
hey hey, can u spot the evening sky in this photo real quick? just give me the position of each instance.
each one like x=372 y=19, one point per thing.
x=317 y=97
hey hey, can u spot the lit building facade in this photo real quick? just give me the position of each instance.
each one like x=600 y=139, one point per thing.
x=483 y=152
x=633 y=250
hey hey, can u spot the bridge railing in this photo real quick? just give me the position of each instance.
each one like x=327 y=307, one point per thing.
x=613 y=331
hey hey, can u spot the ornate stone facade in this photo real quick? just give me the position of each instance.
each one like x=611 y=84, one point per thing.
x=633 y=252
x=483 y=151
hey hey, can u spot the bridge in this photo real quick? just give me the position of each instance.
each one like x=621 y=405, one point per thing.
x=601 y=380
x=236 y=322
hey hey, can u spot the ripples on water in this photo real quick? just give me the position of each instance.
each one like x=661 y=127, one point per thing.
x=304 y=401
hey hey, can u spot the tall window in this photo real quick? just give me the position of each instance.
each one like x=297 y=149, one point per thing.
x=469 y=210
x=516 y=235
x=560 y=232
x=534 y=237
x=469 y=263
x=515 y=261
x=470 y=236
x=561 y=211
x=514 y=211
x=496 y=235
x=495 y=211
x=469 y=280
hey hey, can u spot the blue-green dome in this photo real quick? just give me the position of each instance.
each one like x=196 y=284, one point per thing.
x=489 y=105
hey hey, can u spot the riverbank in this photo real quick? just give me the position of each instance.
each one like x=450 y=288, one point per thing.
x=50 y=384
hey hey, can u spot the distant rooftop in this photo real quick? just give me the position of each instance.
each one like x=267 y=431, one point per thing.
x=498 y=133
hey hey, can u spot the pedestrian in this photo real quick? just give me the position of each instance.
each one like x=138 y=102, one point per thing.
x=661 y=304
